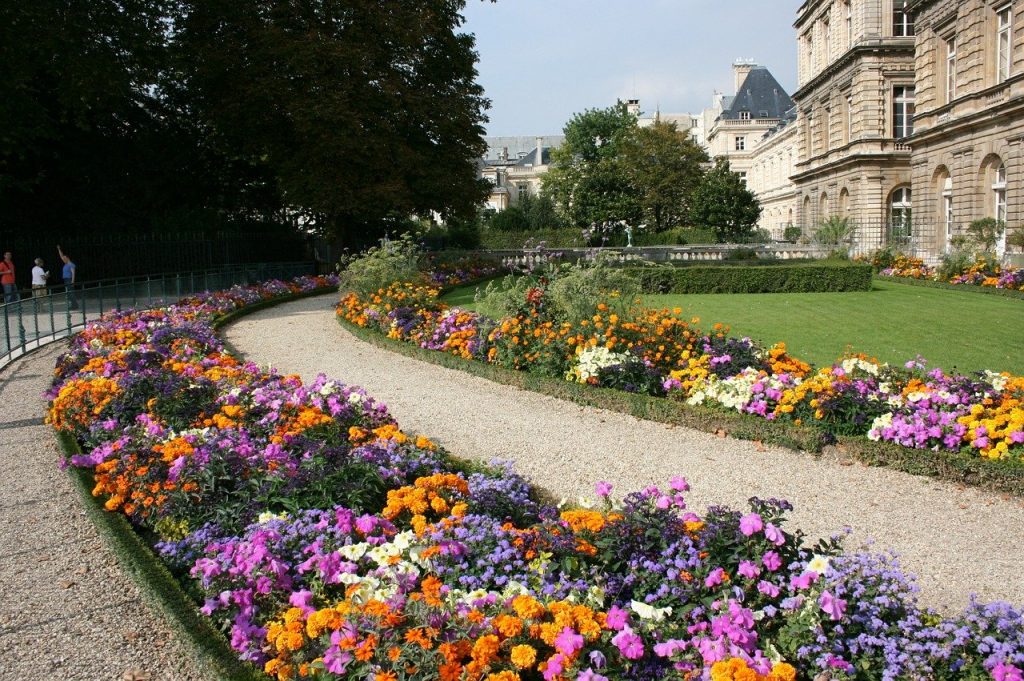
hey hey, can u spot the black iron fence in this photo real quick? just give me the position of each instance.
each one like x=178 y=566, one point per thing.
x=45 y=315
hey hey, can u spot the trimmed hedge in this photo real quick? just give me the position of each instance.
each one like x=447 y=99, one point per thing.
x=956 y=467
x=970 y=288
x=796 y=278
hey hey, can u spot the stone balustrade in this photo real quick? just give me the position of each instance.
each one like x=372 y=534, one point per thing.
x=533 y=257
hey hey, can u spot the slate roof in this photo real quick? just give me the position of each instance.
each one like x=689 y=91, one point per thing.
x=761 y=95
x=531 y=158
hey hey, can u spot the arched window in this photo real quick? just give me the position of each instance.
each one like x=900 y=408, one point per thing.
x=844 y=203
x=999 y=204
x=899 y=215
x=947 y=210
x=823 y=207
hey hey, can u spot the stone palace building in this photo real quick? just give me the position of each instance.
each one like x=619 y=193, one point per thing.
x=908 y=120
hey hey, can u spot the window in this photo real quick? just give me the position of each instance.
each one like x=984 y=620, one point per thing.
x=999 y=202
x=1004 y=42
x=947 y=210
x=899 y=214
x=902 y=111
x=744 y=115
x=743 y=177
x=849 y=24
x=741 y=143
x=951 y=68
x=523 y=189
x=828 y=128
x=826 y=32
x=902 y=20
x=849 y=118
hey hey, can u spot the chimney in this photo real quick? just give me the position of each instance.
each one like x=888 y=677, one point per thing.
x=503 y=156
x=633 y=106
x=740 y=69
x=540 y=151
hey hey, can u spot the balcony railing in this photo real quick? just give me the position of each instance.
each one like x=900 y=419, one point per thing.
x=55 y=313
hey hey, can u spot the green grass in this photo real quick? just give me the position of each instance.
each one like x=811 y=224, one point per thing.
x=894 y=322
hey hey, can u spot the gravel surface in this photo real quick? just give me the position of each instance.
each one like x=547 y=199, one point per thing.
x=957 y=541
x=68 y=611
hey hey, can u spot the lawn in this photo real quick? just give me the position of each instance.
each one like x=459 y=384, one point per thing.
x=965 y=331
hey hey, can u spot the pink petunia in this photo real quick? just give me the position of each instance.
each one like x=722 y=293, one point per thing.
x=751 y=524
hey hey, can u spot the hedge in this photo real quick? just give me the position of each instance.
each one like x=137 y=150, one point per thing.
x=796 y=278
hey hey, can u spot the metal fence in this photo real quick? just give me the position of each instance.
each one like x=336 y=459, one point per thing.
x=55 y=313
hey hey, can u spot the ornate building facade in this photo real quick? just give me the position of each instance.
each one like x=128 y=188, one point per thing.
x=969 y=127
x=856 y=104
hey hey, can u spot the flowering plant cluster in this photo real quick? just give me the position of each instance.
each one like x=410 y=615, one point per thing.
x=984 y=272
x=330 y=544
x=658 y=353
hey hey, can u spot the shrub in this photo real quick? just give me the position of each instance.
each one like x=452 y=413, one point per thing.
x=791 y=233
x=512 y=219
x=578 y=288
x=985 y=233
x=552 y=238
x=380 y=266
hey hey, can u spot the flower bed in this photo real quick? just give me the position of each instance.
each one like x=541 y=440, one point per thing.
x=327 y=543
x=658 y=353
x=982 y=273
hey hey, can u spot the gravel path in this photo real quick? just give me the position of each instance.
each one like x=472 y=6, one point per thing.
x=957 y=541
x=68 y=611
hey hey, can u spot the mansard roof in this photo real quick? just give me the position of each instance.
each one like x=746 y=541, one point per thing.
x=761 y=95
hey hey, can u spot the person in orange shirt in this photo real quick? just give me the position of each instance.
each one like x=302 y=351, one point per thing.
x=7 y=278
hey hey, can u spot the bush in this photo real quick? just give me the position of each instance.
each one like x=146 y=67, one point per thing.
x=455 y=235
x=512 y=219
x=381 y=266
x=954 y=264
x=552 y=238
x=817 y=277
x=985 y=233
x=578 y=288
x=791 y=233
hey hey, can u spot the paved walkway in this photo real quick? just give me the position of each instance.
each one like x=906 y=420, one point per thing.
x=956 y=540
x=68 y=611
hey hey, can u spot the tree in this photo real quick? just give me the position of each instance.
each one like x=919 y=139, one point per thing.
x=664 y=167
x=361 y=110
x=723 y=203
x=587 y=181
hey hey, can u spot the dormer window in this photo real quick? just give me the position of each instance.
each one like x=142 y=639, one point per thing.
x=744 y=115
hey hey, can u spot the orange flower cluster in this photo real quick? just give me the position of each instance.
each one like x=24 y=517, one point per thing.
x=658 y=336
x=80 y=402
x=297 y=421
x=528 y=339
x=992 y=425
x=779 y=362
x=736 y=669
x=428 y=494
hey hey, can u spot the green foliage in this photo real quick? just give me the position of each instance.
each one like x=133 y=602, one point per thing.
x=1015 y=238
x=578 y=288
x=778 y=278
x=456 y=234
x=723 y=203
x=540 y=212
x=512 y=219
x=835 y=231
x=791 y=233
x=551 y=238
x=381 y=266
x=954 y=263
x=664 y=167
x=586 y=181
x=985 y=233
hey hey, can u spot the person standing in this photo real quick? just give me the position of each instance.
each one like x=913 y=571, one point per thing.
x=68 y=273
x=7 y=278
x=39 y=277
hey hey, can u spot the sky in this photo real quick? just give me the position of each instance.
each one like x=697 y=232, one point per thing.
x=541 y=61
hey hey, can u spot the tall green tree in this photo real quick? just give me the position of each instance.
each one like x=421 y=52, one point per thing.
x=723 y=203
x=664 y=166
x=361 y=110
x=587 y=180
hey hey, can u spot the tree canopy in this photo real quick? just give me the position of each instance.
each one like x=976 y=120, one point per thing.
x=723 y=203
x=611 y=169
x=139 y=114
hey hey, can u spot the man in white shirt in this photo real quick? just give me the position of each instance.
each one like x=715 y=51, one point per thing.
x=39 y=277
